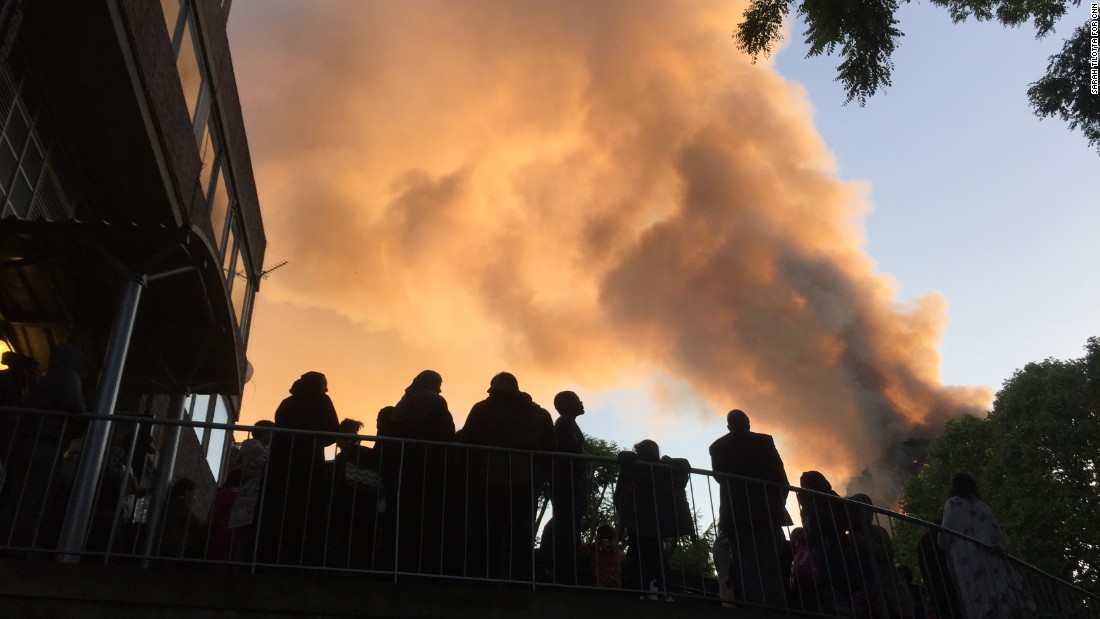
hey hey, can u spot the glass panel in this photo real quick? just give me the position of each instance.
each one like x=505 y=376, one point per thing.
x=20 y=196
x=219 y=209
x=200 y=412
x=206 y=158
x=216 y=448
x=171 y=10
x=190 y=72
x=227 y=264
x=8 y=162
x=240 y=288
x=19 y=129
x=32 y=161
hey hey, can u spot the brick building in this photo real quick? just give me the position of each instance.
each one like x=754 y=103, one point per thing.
x=129 y=219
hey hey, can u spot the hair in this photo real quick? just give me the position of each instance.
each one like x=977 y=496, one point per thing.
x=503 y=382
x=351 y=426
x=181 y=487
x=965 y=486
x=649 y=446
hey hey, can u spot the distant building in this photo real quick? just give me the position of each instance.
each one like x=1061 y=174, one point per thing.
x=126 y=181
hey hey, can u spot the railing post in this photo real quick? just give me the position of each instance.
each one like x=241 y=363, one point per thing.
x=95 y=445
x=166 y=469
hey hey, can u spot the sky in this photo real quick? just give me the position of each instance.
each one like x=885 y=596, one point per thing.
x=610 y=198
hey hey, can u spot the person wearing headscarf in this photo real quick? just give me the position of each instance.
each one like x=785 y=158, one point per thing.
x=417 y=472
x=505 y=483
x=988 y=585
x=295 y=496
x=821 y=576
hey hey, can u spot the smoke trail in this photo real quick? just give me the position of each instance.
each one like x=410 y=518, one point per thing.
x=592 y=190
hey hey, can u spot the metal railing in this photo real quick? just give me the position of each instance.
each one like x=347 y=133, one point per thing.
x=406 y=509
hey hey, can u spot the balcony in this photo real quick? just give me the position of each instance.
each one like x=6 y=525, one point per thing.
x=346 y=524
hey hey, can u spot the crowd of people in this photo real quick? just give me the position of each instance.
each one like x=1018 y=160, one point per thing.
x=429 y=498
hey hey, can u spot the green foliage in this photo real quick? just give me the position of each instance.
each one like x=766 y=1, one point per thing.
x=1065 y=91
x=693 y=557
x=865 y=34
x=601 y=486
x=1035 y=458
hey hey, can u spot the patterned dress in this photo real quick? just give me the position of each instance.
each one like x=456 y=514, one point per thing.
x=989 y=586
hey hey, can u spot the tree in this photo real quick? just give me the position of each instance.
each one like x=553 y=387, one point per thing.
x=1035 y=457
x=866 y=33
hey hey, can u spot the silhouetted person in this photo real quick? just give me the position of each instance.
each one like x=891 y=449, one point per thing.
x=935 y=571
x=646 y=499
x=570 y=489
x=884 y=591
x=418 y=500
x=752 y=513
x=16 y=381
x=831 y=557
x=503 y=485
x=182 y=535
x=242 y=518
x=32 y=503
x=221 y=541
x=905 y=573
x=356 y=484
x=295 y=497
x=988 y=585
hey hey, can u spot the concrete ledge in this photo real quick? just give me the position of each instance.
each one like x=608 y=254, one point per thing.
x=46 y=590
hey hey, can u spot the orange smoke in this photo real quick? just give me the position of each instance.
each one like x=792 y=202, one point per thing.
x=578 y=192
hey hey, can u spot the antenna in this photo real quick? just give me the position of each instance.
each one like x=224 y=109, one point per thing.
x=265 y=273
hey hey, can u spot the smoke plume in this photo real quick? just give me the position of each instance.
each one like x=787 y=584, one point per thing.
x=588 y=192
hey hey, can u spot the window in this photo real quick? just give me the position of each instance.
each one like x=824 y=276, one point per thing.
x=187 y=63
x=210 y=409
x=171 y=10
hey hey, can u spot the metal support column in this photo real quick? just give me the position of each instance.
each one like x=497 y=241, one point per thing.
x=166 y=469
x=95 y=445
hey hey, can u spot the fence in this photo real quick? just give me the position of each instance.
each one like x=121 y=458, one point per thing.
x=403 y=509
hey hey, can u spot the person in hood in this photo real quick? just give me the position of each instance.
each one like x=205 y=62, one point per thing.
x=291 y=530
x=505 y=483
x=418 y=472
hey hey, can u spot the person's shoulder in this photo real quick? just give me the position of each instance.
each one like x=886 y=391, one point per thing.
x=721 y=443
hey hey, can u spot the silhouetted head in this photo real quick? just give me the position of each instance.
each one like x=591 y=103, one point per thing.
x=798 y=534
x=906 y=573
x=605 y=531
x=428 y=380
x=648 y=450
x=737 y=421
x=183 y=487
x=233 y=479
x=568 y=404
x=310 y=382
x=965 y=486
x=813 y=480
x=866 y=515
x=504 y=383
x=261 y=435
x=383 y=420
x=351 y=426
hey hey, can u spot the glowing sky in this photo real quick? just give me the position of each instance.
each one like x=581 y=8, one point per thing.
x=608 y=197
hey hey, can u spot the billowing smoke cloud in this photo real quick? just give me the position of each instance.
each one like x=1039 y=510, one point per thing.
x=583 y=191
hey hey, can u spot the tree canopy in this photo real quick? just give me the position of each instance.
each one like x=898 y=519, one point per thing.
x=1035 y=458
x=866 y=34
